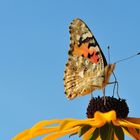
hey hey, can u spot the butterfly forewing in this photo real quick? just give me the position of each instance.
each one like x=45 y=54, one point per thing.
x=86 y=62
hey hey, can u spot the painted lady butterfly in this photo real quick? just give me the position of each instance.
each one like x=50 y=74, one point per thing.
x=87 y=68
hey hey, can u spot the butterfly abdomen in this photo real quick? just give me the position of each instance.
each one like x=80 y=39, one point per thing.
x=108 y=71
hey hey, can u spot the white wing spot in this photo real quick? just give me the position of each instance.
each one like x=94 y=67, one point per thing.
x=81 y=74
x=77 y=37
x=89 y=34
x=84 y=36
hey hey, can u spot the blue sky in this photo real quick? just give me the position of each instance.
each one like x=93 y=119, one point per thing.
x=34 y=41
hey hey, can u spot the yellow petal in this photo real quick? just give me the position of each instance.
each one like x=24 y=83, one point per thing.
x=123 y=122
x=132 y=133
x=24 y=134
x=133 y=120
x=115 y=137
x=88 y=133
x=58 y=134
x=43 y=131
x=105 y=117
x=71 y=124
x=66 y=122
x=45 y=123
x=98 y=138
x=128 y=133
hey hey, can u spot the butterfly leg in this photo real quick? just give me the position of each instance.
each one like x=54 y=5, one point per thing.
x=114 y=87
x=115 y=84
x=118 y=89
x=104 y=96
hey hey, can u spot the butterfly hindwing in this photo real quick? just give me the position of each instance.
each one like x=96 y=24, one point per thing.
x=85 y=61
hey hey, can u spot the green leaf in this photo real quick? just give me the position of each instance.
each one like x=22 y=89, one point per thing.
x=105 y=131
x=119 y=132
x=111 y=137
x=84 y=129
x=95 y=134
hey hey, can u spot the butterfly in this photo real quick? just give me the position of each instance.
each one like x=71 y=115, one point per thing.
x=86 y=69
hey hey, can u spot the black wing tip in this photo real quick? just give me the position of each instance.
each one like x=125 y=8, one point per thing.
x=138 y=53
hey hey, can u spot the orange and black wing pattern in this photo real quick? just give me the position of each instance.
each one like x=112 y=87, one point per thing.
x=86 y=62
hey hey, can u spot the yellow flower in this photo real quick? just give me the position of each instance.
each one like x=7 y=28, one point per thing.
x=103 y=126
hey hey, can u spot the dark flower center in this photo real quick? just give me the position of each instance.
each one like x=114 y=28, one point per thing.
x=97 y=104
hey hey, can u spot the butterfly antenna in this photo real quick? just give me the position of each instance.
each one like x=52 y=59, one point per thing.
x=127 y=58
x=108 y=48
